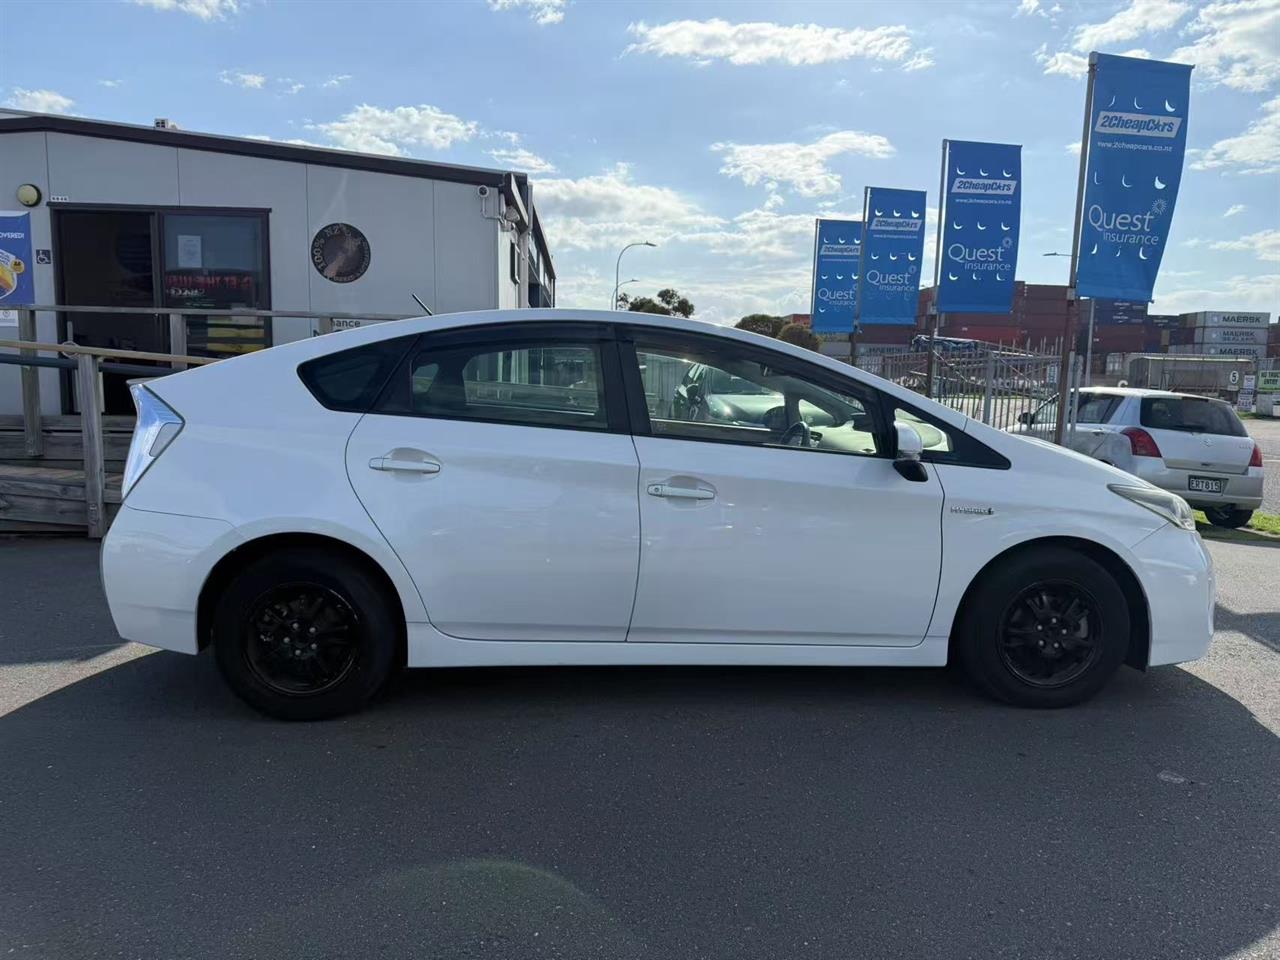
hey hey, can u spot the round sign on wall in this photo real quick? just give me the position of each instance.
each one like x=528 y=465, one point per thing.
x=340 y=252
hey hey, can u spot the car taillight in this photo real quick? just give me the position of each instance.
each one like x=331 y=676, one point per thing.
x=1141 y=443
x=1256 y=459
x=157 y=425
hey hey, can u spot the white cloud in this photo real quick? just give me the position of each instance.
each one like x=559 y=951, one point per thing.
x=705 y=41
x=1062 y=63
x=1257 y=150
x=238 y=78
x=202 y=9
x=541 y=12
x=1028 y=7
x=1074 y=148
x=337 y=80
x=109 y=83
x=801 y=166
x=369 y=129
x=1265 y=245
x=1241 y=292
x=292 y=86
x=39 y=101
x=610 y=209
x=1138 y=18
x=1237 y=44
x=518 y=158
x=1233 y=210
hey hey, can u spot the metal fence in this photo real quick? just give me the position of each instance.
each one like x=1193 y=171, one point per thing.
x=1007 y=389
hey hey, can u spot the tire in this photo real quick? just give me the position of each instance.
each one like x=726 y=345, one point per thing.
x=1228 y=517
x=305 y=634
x=1008 y=650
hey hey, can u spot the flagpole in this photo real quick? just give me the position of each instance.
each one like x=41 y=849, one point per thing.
x=934 y=314
x=857 y=296
x=1073 y=305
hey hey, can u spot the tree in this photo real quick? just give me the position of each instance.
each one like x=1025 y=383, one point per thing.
x=800 y=335
x=764 y=324
x=668 y=302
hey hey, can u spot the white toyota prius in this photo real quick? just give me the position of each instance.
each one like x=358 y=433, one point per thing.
x=573 y=487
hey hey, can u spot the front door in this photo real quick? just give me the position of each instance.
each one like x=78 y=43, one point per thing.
x=108 y=259
x=770 y=508
x=499 y=467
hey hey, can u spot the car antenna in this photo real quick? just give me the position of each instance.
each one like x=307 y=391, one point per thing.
x=425 y=308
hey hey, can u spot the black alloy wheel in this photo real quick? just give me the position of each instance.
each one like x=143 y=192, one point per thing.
x=303 y=639
x=1050 y=634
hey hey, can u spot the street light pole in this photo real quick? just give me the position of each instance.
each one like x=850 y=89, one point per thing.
x=618 y=266
x=618 y=289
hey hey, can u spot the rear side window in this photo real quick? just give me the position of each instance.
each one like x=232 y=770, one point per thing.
x=552 y=384
x=1096 y=407
x=1191 y=414
x=352 y=379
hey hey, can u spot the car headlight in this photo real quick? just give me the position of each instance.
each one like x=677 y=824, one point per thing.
x=1168 y=505
x=157 y=425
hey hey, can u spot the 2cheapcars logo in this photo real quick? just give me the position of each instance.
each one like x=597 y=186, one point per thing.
x=897 y=224
x=1137 y=124
x=971 y=185
x=1133 y=229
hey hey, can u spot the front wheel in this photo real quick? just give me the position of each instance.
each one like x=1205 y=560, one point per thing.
x=1045 y=628
x=304 y=635
x=1228 y=517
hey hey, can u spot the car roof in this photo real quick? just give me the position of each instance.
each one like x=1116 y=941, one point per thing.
x=1132 y=392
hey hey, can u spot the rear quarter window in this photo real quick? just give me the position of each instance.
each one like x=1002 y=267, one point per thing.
x=352 y=379
x=1191 y=414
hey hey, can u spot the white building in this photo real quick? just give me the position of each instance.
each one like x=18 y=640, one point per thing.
x=133 y=216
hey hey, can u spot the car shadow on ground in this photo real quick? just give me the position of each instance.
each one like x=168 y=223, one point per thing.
x=637 y=812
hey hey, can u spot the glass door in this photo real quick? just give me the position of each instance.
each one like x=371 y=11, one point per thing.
x=107 y=258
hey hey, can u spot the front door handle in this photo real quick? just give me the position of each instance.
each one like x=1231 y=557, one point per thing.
x=680 y=493
x=407 y=466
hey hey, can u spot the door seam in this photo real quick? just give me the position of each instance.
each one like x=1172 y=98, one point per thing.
x=635 y=594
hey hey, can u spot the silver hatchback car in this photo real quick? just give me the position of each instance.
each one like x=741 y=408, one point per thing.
x=1193 y=446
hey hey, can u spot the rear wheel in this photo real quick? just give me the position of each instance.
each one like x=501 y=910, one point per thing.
x=304 y=635
x=1229 y=517
x=1045 y=628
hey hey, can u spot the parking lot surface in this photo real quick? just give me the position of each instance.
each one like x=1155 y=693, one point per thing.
x=1266 y=431
x=674 y=813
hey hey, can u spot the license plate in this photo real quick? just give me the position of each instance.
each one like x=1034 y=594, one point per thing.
x=1206 y=484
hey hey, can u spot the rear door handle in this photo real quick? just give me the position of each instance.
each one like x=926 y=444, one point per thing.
x=680 y=493
x=407 y=466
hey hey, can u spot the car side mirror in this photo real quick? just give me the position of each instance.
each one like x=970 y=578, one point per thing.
x=1026 y=418
x=910 y=449
x=693 y=393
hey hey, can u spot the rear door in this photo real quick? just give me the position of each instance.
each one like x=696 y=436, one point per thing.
x=1198 y=434
x=499 y=465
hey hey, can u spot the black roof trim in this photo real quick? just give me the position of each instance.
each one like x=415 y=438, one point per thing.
x=264 y=149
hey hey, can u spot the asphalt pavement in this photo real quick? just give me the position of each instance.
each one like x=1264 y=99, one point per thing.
x=1266 y=431
x=657 y=813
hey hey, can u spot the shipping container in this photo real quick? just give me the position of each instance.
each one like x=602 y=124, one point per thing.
x=1216 y=318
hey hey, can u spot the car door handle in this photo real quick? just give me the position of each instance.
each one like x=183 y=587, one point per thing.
x=680 y=493
x=408 y=466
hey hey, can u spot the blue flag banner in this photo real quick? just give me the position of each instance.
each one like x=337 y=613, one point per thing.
x=16 y=286
x=981 y=210
x=1137 y=138
x=837 y=249
x=892 y=244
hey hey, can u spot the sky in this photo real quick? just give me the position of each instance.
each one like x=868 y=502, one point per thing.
x=716 y=130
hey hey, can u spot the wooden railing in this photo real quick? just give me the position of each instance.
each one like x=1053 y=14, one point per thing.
x=89 y=363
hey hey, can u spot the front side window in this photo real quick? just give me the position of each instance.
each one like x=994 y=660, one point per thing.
x=547 y=385
x=1096 y=407
x=739 y=396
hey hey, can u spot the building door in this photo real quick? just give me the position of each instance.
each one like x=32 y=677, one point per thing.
x=191 y=258
x=108 y=259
